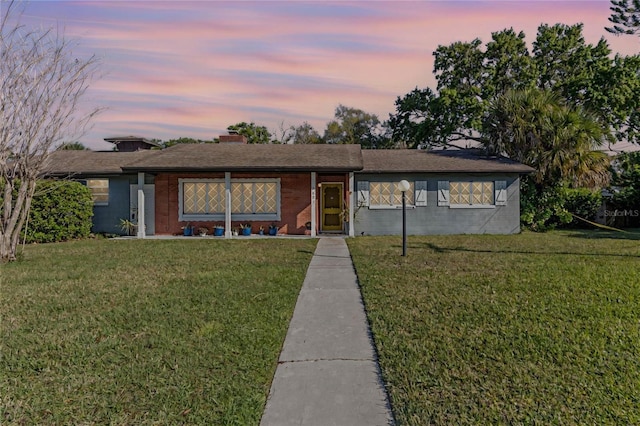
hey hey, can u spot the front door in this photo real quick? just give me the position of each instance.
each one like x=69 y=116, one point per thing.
x=331 y=207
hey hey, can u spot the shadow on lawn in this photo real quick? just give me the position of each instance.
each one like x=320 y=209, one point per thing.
x=629 y=234
x=440 y=249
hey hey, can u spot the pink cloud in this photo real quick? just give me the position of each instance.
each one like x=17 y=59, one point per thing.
x=192 y=68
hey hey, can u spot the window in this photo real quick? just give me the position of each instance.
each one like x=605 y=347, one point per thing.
x=472 y=194
x=387 y=195
x=203 y=198
x=251 y=199
x=99 y=191
x=254 y=198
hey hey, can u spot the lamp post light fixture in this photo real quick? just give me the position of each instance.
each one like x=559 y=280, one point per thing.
x=404 y=186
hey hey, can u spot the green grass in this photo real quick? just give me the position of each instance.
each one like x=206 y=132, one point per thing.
x=145 y=332
x=523 y=329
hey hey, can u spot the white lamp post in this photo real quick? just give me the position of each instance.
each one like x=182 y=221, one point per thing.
x=404 y=186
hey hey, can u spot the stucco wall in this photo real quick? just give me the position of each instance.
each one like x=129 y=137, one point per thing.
x=433 y=219
x=106 y=219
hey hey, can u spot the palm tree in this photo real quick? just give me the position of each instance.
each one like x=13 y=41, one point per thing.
x=571 y=153
x=535 y=127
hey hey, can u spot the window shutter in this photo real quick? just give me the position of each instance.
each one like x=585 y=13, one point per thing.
x=363 y=193
x=420 y=196
x=443 y=193
x=501 y=193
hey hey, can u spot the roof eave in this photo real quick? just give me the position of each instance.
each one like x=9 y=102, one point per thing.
x=380 y=171
x=84 y=173
x=284 y=169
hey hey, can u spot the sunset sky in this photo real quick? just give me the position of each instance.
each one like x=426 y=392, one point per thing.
x=182 y=68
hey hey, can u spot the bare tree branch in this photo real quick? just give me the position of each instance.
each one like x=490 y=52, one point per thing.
x=40 y=93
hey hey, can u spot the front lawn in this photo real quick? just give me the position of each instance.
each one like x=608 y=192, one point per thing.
x=145 y=332
x=523 y=329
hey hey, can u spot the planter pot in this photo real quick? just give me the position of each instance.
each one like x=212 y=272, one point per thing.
x=187 y=232
x=261 y=232
x=218 y=232
x=246 y=231
x=273 y=231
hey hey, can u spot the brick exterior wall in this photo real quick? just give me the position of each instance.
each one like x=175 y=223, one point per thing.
x=295 y=199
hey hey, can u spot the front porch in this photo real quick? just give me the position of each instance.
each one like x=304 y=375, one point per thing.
x=300 y=204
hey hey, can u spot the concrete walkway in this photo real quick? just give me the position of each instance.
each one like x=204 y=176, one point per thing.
x=327 y=373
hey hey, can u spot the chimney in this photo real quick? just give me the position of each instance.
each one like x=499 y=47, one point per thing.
x=233 y=138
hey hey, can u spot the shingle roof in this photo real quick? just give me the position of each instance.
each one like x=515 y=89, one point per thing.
x=446 y=161
x=274 y=158
x=62 y=163
x=270 y=157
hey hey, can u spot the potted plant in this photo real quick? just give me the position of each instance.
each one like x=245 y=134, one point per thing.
x=187 y=230
x=246 y=229
x=234 y=231
x=273 y=229
x=218 y=231
x=261 y=230
x=128 y=227
x=203 y=231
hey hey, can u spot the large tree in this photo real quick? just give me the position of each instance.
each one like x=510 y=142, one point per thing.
x=304 y=134
x=471 y=76
x=626 y=182
x=254 y=133
x=42 y=84
x=355 y=126
x=625 y=17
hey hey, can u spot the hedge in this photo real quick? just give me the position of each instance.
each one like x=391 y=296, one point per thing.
x=60 y=211
x=583 y=203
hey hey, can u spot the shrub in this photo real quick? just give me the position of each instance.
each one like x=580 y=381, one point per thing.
x=60 y=211
x=546 y=208
x=583 y=203
x=542 y=208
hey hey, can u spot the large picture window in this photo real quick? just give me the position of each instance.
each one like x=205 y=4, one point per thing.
x=99 y=191
x=203 y=198
x=254 y=197
x=251 y=199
